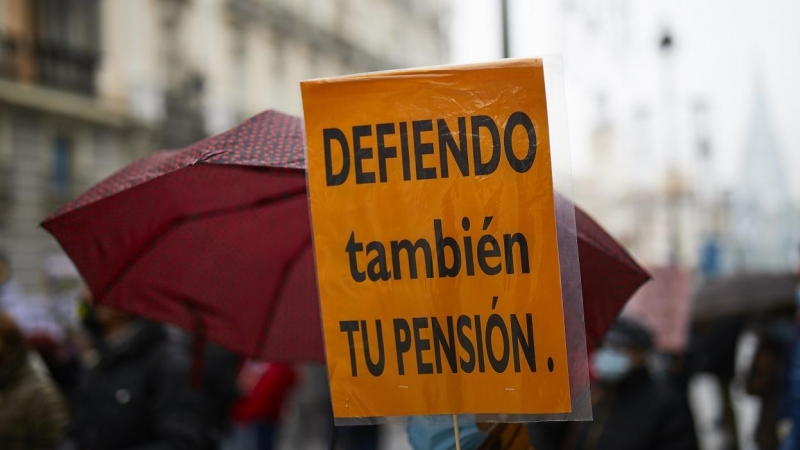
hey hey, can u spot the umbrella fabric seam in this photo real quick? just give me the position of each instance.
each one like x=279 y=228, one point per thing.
x=261 y=342
x=59 y=215
x=187 y=219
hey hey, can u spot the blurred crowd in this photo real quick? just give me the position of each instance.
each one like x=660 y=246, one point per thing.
x=75 y=375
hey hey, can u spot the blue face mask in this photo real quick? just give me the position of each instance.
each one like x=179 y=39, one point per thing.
x=423 y=435
x=611 y=365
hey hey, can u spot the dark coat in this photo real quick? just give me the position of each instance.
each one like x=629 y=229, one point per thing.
x=639 y=413
x=139 y=397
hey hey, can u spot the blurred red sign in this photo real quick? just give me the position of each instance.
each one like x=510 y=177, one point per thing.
x=664 y=306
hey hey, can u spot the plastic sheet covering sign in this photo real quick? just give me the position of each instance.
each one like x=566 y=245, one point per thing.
x=434 y=231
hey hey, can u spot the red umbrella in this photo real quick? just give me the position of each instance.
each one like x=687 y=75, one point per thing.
x=215 y=238
x=609 y=277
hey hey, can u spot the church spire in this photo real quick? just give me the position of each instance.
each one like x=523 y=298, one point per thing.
x=764 y=220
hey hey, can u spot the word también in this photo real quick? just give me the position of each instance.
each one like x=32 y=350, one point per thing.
x=388 y=261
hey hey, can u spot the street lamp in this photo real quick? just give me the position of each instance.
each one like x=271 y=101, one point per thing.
x=674 y=185
x=506 y=45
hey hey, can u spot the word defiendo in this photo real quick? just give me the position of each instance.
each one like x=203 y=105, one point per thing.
x=420 y=143
x=388 y=261
x=462 y=344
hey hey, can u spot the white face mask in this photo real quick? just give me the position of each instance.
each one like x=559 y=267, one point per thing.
x=611 y=365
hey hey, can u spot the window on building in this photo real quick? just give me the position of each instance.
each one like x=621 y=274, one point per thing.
x=51 y=42
x=62 y=166
x=68 y=44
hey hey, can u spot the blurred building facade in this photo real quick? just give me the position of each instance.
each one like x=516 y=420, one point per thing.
x=86 y=86
x=650 y=144
x=674 y=213
x=763 y=232
x=57 y=134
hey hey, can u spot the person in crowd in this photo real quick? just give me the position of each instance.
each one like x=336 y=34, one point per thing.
x=217 y=381
x=713 y=350
x=220 y=388
x=139 y=394
x=61 y=352
x=767 y=378
x=60 y=360
x=45 y=336
x=32 y=412
x=357 y=437
x=632 y=410
x=792 y=440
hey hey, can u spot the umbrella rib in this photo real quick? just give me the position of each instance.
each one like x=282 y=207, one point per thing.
x=192 y=218
x=261 y=342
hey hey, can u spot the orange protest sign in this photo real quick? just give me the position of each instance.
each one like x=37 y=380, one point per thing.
x=432 y=208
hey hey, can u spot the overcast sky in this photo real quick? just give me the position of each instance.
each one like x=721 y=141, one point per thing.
x=610 y=47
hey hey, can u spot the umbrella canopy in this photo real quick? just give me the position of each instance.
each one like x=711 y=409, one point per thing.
x=745 y=293
x=609 y=277
x=216 y=237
